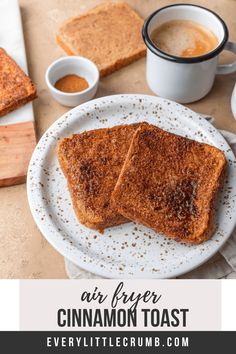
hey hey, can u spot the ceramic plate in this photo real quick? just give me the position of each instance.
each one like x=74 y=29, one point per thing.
x=130 y=250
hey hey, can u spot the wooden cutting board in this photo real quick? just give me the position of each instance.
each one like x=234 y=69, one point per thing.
x=17 y=133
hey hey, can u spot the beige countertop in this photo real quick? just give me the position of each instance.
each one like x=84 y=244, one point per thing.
x=24 y=253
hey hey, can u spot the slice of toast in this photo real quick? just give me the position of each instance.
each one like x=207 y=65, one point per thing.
x=109 y=35
x=91 y=162
x=16 y=88
x=169 y=184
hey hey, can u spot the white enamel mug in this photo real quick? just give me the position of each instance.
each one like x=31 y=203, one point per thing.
x=184 y=79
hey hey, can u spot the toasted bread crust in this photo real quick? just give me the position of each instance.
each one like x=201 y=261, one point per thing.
x=106 y=44
x=16 y=88
x=169 y=183
x=91 y=162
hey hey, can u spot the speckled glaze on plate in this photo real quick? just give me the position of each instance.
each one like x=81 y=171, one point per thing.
x=130 y=250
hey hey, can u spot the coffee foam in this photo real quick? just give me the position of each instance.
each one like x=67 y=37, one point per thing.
x=184 y=38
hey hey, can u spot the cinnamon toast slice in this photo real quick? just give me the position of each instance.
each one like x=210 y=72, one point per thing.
x=91 y=162
x=109 y=35
x=169 y=183
x=16 y=88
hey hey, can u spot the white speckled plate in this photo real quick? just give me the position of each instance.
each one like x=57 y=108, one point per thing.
x=129 y=250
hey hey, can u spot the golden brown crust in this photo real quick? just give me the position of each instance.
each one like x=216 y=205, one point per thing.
x=105 y=35
x=121 y=63
x=16 y=88
x=169 y=183
x=64 y=46
x=91 y=162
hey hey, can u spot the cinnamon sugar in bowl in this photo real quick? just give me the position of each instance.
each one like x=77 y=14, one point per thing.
x=66 y=74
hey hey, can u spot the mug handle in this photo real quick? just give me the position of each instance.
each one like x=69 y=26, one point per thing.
x=228 y=68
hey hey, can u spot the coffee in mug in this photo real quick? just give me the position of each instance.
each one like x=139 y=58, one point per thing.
x=183 y=61
x=184 y=38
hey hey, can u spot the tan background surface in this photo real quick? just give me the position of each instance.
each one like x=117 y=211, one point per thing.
x=24 y=253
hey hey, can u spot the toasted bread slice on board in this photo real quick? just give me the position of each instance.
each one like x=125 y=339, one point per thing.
x=16 y=88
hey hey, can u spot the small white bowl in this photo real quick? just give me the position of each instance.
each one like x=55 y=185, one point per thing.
x=80 y=66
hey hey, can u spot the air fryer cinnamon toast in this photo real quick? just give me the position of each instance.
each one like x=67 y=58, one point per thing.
x=109 y=35
x=91 y=162
x=169 y=183
x=16 y=88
